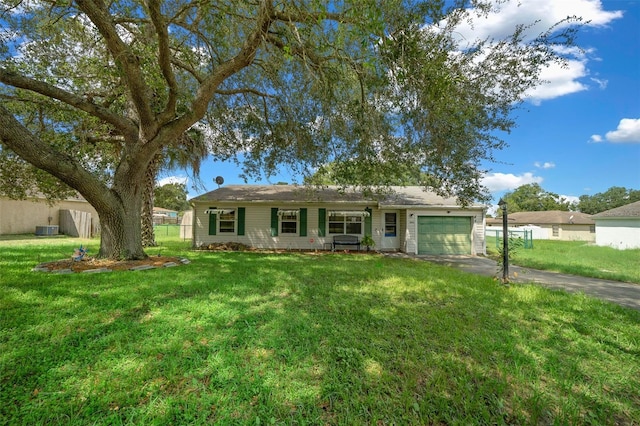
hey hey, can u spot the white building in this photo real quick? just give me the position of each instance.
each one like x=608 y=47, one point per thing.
x=620 y=227
x=301 y=218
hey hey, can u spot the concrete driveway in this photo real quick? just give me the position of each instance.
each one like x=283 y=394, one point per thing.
x=625 y=294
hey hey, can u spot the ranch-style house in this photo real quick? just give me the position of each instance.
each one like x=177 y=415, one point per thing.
x=407 y=219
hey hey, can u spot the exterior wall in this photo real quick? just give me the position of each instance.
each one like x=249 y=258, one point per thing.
x=618 y=233
x=536 y=232
x=478 y=245
x=576 y=233
x=258 y=227
x=479 y=242
x=566 y=231
x=402 y=230
x=22 y=216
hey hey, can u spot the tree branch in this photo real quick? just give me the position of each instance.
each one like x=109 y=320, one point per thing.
x=188 y=68
x=128 y=61
x=42 y=155
x=231 y=92
x=242 y=59
x=124 y=125
x=164 y=59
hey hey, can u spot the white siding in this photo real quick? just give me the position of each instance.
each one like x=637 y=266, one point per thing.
x=258 y=227
x=618 y=233
x=478 y=242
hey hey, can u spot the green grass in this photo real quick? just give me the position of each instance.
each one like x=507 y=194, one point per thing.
x=294 y=338
x=577 y=258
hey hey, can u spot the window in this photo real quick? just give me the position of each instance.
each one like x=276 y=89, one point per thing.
x=390 y=227
x=556 y=230
x=289 y=223
x=345 y=223
x=228 y=222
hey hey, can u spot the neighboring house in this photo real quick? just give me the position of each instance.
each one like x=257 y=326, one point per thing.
x=162 y=216
x=559 y=225
x=297 y=217
x=619 y=227
x=35 y=215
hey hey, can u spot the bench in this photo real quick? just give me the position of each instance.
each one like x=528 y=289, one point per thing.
x=346 y=240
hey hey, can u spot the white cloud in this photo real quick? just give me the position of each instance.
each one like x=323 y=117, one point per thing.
x=559 y=81
x=602 y=84
x=545 y=165
x=497 y=182
x=628 y=131
x=173 y=179
x=543 y=14
x=596 y=138
x=570 y=198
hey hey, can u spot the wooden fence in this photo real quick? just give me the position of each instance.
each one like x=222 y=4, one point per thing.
x=76 y=223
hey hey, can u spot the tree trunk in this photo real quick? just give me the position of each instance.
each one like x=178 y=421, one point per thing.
x=121 y=236
x=148 y=236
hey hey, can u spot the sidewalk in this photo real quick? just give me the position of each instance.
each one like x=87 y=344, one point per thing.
x=625 y=294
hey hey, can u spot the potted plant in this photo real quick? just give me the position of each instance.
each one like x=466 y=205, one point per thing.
x=368 y=241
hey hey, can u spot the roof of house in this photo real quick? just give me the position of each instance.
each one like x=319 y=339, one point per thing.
x=551 y=217
x=628 y=210
x=398 y=196
x=163 y=210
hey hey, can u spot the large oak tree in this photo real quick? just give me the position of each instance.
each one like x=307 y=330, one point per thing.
x=93 y=91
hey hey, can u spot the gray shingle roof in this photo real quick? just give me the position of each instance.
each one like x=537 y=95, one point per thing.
x=551 y=217
x=401 y=196
x=628 y=210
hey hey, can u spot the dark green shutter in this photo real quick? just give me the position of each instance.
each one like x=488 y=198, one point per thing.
x=274 y=221
x=303 y=222
x=367 y=222
x=212 y=222
x=240 y=220
x=322 y=222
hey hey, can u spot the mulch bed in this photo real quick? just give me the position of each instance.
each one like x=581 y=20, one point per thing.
x=90 y=263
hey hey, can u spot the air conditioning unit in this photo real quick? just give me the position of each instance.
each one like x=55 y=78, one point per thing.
x=47 y=230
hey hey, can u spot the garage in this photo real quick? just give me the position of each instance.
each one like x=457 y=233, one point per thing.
x=444 y=235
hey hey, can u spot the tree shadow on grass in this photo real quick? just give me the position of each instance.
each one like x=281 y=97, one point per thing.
x=329 y=339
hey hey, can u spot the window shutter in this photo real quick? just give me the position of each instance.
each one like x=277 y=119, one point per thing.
x=322 y=222
x=274 y=221
x=212 y=223
x=367 y=222
x=240 y=220
x=303 y=222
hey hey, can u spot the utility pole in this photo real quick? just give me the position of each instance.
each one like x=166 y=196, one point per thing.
x=505 y=242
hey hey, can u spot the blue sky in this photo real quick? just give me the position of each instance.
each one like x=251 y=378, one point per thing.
x=579 y=134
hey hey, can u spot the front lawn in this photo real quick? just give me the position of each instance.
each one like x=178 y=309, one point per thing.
x=577 y=258
x=305 y=338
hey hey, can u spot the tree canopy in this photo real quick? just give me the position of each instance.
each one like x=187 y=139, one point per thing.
x=532 y=198
x=613 y=197
x=92 y=92
x=172 y=196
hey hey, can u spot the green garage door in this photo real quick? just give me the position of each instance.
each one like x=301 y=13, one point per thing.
x=444 y=235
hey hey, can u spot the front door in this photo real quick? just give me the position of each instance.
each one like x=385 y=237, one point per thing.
x=390 y=230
